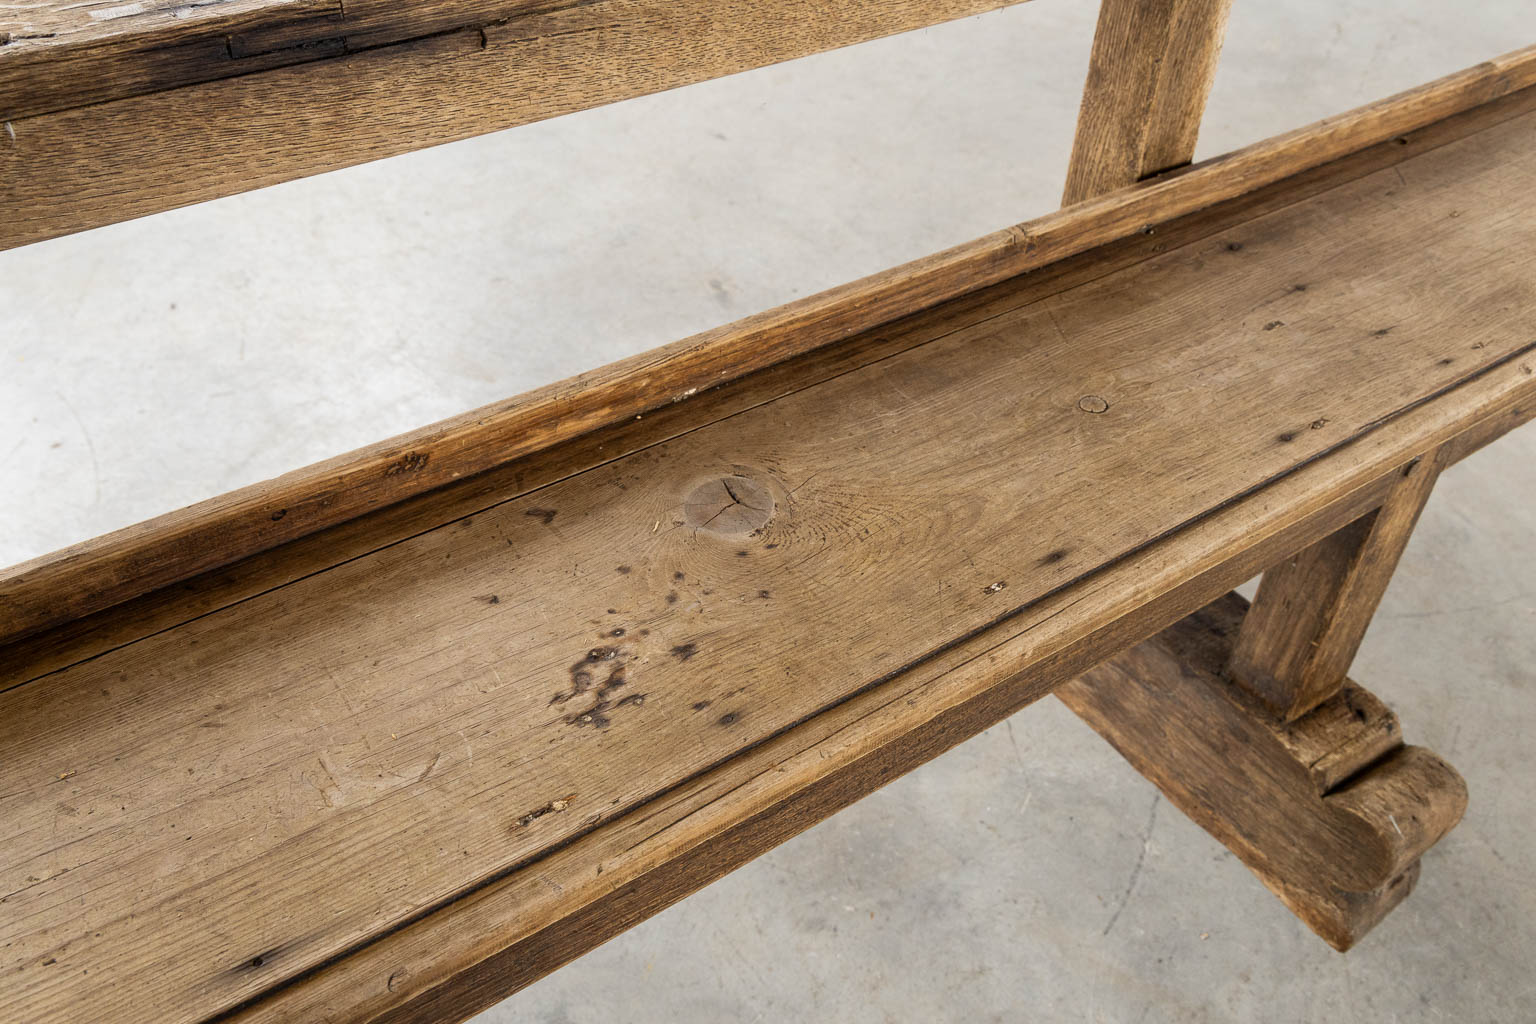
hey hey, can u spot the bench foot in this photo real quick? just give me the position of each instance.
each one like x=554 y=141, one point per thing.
x=1330 y=810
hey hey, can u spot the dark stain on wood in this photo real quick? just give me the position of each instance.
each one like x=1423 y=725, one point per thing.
x=553 y=807
x=410 y=462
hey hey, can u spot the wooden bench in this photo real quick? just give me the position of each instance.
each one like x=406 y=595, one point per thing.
x=390 y=737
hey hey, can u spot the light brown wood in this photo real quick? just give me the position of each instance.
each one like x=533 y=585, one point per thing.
x=62 y=55
x=85 y=167
x=1312 y=610
x=507 y=934
x=1331 y=811
x=323 y=742
x=1149 y=75
x=457 y=70
x=98 y=574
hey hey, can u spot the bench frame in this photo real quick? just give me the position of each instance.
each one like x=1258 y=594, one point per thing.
x=1346 y=809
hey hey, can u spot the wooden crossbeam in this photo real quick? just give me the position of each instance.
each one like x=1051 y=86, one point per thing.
x=170 y=104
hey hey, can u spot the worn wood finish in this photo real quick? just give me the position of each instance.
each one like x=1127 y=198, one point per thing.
x=63 y=55
x=1330 y=810
x=459 y=70
x=89 y=166
x=1184 y=85
x=98 y=574
x=507 y=934
x=1149 y=75
x=1312 y=610
x=471 y=681
x=84 y=637
x=85 y=167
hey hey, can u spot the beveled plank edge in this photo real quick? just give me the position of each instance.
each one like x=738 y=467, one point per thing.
x=108 y=570
x=458 y=959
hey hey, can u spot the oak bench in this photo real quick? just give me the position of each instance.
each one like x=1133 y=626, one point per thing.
x=390 y=737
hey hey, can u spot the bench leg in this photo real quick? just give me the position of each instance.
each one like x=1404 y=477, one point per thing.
x=1244 y=718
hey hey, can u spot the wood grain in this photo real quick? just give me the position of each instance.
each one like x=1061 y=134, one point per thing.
x=78 y=639
x=321 y=743
x=1150 y=72
x=475 y=951
x=68 y=55
x=1331 y=810
x=1312 y=610
x=530 y=61
x=98 y=574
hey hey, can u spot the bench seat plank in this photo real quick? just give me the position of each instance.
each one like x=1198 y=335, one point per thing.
x=207 y=813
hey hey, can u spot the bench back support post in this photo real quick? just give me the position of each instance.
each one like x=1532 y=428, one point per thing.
x=1312 y=610
x=1151 y=71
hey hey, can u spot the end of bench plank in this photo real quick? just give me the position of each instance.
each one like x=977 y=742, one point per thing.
x=1331 y=811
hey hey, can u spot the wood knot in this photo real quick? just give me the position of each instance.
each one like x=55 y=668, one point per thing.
x=1093 y=404
x=734 y=505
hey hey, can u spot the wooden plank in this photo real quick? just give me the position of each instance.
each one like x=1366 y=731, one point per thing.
x=1331 y=810
x=101 y=573
x=1149 y=75
x=1312 y=610
x=478 y=949
x=63 y=55
x=532 y=61
x=456 y=684
x=23 y=660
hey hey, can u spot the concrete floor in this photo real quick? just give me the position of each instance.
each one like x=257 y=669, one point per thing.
x=1029 y=874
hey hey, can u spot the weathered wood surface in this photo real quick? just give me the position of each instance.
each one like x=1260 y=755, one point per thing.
x=84 y=167
x=478 y=949
x=98 y=574
x=212 y=813
x=1330 y=810
x=56 y=55
x=1312 y=610
x=1149 y=75
x=342 y=84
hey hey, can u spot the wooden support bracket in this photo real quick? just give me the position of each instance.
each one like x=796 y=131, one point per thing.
x=1312 y=610
x=1331 y=810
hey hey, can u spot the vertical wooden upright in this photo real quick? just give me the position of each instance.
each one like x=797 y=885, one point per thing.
x=1148 y=79
x=1311 y=611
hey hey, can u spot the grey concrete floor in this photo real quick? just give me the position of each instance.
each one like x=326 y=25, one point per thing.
x=1029 y=874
